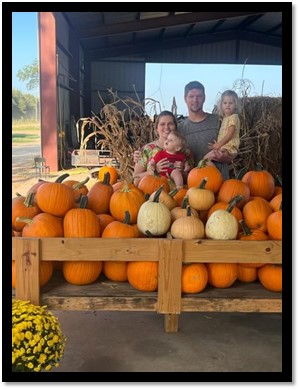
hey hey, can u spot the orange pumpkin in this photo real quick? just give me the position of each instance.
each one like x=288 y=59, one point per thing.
x=201 y=171
x=126 y=199
x=246 y=274
x=270 y=276
x=81 y=272
x=256 y=213
x=179 y=195
x=79 y=188
x=43 y=225
x=104 y=220
x=194 y=278
x=231 y=188
x=274 y=225
x=99 y=195
x=275 y=202
x=143 y=275
x=23 y=207
x=113 y=173
x=224 y=206
x=81 y=222
x=260 y=182
x=222 y=275
x=151 y=183
x=115 y=270
x=55 y=198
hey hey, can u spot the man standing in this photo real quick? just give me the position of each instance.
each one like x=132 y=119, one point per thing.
x=200 y=128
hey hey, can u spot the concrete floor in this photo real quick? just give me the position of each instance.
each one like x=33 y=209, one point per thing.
x=105 y=341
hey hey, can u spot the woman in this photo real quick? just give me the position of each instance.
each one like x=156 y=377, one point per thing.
x=164 y=124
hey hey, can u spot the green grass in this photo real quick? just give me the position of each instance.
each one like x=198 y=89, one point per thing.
x=24 y=132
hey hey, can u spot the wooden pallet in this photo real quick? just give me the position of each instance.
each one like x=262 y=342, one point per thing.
x=170 y=255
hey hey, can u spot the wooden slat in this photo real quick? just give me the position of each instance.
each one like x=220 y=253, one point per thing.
x=171 y=322
x=232 y=251
x=27 y=270
x=169 y=281
x=245 y=305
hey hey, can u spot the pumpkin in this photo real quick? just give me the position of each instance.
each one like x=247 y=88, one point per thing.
x=222 y=275
x=179 y=195
x=178 y=212
x=260 y=182
x=81 y=272
x=201 y=198
x=188 y=227
x=46 y=272
x=275 y=202
x=81 y=222
x=115 y=270
x=256 y=213
x=222 y=225
x=151 y=183
x=126 y=199
x=274 y=225
x=23 y=207
x=55 y=198
x=270 y=276
x=224 y=206
x=154 y=218
x=35 y=186
x=143 y=275
x=246 y=274
x=194 y=278
x=201 y=171
x=166 y=198
x=79 y=188
x=42 y=225
x=232 y=187
x=113 y=173
x=99 y=195
x=104 y=220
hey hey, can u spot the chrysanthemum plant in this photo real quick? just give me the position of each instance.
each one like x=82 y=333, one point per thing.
x=37 y=341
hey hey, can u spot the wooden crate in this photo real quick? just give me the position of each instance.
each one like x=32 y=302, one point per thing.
x=170 y=255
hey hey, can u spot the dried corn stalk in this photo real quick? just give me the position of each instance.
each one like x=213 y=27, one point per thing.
x=120 y=131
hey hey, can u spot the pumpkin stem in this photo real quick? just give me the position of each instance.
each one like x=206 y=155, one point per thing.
x=188 y=211
x=83 y=202
x=29 y=221
x=157 y=194
x=77 y=186
x=241 y=173
x=61 y=178
x=246 y=229
x=127 y=218
x=235 y=200
x=18 y=194
x=185 y=202
x=202 y=163
x=28 y=202
x=106 y=179
x=203 y=183
x=149 y=234
x=173 y=192
x=259 y=167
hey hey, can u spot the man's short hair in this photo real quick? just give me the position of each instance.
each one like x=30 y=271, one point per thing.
x=193 y=85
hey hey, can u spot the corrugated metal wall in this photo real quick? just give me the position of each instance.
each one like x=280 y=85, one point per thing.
x=225 y=52
x=125 y=77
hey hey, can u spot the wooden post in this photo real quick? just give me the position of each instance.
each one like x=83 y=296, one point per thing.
x=28 y=270
x=169 y=282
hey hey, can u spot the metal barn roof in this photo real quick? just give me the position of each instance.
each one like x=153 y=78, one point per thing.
x=115 y=34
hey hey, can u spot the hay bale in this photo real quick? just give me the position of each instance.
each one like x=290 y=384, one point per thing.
x=260 y=135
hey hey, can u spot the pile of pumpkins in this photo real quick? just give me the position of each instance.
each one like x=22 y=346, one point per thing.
x=248 y=207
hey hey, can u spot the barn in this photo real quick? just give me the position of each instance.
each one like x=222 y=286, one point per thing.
x=83 y=54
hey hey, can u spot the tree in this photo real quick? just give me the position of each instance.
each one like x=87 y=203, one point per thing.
x=30 y=73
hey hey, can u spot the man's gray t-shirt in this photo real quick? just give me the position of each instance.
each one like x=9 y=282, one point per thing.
x=199 y=134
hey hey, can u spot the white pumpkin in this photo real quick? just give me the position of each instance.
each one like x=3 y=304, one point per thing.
x=154 y=218
x=221 y=225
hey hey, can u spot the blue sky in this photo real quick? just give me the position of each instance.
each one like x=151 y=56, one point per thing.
x=163 y=81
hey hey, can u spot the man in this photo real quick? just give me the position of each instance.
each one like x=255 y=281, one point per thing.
x=200 y=128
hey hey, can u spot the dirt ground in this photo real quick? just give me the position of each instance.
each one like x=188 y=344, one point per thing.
x=23 y=171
